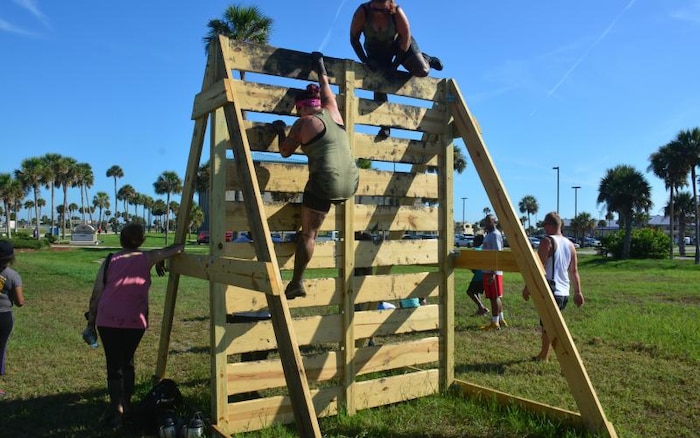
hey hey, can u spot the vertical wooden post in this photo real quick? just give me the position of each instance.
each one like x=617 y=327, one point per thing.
x=349 y=291
x=217 y=291
x=445 y=219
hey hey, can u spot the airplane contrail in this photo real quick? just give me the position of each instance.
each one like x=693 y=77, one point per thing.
x=590 y=48
x=330 y=30
x=31 y=6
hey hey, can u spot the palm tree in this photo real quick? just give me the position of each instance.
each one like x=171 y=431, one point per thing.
x=530 y=206
x=41 y=202
x=66 y=177
x=684 y=209
x=126 y=193
x=582 y=225
x=166 y=184
x=100 y=201
x=460 y=161
x=241 y=23
x=31 y=174
x=29 y=205
x=52 y=167
x=84 y=179
x=71 y=208
x=624 y=190
x=10 y=190
x=148 y=206
x=115 y=172
x=670 y=164
x=688 y=141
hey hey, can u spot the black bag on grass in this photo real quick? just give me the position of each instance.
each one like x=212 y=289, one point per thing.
x=162 y=400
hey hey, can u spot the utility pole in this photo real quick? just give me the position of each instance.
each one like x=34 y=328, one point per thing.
x=463 y=209
x=575 y=200
x=557 y=169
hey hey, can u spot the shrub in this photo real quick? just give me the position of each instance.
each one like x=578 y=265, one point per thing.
x=647 y=243
x=24 y=241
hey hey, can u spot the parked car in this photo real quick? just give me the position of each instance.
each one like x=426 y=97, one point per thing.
x=590 y=241
x=573 y=240
x=534 y=241
x=464 y=240
x=203 y=237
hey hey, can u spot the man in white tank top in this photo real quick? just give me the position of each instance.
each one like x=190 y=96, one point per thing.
x=558 y=255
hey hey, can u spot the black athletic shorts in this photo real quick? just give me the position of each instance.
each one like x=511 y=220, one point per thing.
x=316 y=203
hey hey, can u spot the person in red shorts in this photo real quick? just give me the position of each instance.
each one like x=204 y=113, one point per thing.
x=493 y=280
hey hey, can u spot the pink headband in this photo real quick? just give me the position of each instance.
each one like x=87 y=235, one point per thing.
x=307 y=102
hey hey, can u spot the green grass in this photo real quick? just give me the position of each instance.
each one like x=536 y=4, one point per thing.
x=637 y=336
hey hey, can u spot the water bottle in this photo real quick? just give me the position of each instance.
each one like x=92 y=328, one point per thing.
x=90 y=337
x=194 y=429
x=167 y=429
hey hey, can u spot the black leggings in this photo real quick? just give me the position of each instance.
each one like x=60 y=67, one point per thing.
x=120 y=346
x=6 y=324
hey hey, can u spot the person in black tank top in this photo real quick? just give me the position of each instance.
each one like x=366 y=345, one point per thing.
x=388 y=43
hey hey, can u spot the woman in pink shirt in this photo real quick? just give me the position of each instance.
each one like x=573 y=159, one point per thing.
x=119 y=310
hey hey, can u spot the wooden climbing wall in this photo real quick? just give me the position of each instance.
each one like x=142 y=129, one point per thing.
x=316 y=356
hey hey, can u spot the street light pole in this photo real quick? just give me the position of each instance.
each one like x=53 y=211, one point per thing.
x=557 y=169
x=575 y=200
x=463 y=209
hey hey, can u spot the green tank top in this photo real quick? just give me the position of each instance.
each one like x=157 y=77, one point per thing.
x=333 y=174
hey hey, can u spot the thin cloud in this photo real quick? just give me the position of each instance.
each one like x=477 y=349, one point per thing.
x=691 y=13
x=330 y=30
x=600 y=38
x=31 y=6
x=6 y=26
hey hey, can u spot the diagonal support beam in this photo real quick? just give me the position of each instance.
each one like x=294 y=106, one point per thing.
x=531 y=269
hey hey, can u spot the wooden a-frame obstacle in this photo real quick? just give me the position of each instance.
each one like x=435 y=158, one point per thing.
x=338 y=370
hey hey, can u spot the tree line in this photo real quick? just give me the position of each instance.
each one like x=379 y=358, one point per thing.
x=56 y=172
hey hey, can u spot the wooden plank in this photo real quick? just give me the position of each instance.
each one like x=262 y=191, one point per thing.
x=287 y=216
x=321 y=329
x=392 y=149
x=275 y=61
x=394 y=389
x=393 y=356
x=260 y=413
x=243 y=273
x=329 y=254
x=291 y=178
x=303 y=407
x=196 y=146
x=413 y=118
x=266 y=374
x=531 y=269
x=274 y=99
x=396 y=150
x=347 y=277
x=217 y=319
x=483 y=393
x=493 y=260
x=445 y=247
x=327 y=291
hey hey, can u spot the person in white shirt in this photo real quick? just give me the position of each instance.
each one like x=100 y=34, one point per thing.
x=558 y=255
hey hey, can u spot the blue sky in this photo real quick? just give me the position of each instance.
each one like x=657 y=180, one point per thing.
x=580 y=85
